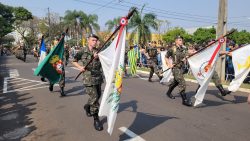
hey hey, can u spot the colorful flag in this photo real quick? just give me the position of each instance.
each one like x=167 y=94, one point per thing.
x=241 y=63
x=42 y=51
x=203 y=65
x=167 y=74
x=112 y=60
x=132 y=57
x=52 y=65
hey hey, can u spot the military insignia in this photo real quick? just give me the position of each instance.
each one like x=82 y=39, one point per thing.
x=56 y=62
x=203 y=70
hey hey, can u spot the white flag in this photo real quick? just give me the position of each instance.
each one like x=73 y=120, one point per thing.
x=241 y=63
x=167 y=75
x=203 y=65
x=112 y=60
x=42 y=51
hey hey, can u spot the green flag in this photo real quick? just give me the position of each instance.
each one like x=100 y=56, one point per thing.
x=52 y=65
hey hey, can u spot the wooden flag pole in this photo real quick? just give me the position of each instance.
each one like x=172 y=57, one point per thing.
x=116 y=30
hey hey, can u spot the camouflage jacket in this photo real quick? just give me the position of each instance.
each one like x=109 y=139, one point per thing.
x=177 y=54
x=93 y=73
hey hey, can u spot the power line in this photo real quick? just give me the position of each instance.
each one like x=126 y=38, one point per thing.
x=169 y=12
x=191 y=20
x=97 y=9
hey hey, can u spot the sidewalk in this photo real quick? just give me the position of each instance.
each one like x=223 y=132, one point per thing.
x=195 y=81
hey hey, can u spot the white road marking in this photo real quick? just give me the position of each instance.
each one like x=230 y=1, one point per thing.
x=18 y=90
x=35 y=69
x=13 y=73
x=5 y=85
x=35 y=85
x=133 y=136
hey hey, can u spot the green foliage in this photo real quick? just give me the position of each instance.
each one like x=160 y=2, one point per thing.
x=141 y=25
x=21 y=14
x=204 y=34
x=113 y=23
x=169 y=37
x=240 y=37
x=86 y=22
x=6 y=20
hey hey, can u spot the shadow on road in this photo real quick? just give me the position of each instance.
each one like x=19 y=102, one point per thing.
x=14 y=116
x=208 y=103
x=143 y=122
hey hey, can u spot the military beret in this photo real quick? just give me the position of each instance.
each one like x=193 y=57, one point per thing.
x=178 y=37
x=94 y=36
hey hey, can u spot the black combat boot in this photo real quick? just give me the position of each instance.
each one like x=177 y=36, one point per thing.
x=150 y=76
x=87 y=110
x=185 y=101
x=51 y=87
x=62 y=91
x=43 y=79
x=222 y=90
x=97 y=124
x=169 y=92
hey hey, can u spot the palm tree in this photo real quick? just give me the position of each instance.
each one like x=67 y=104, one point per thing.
x=89 y=23
x=141 y=24
x=70 y=19
x=113 y=23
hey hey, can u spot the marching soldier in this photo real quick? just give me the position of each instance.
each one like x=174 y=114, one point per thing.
x=62 y=78
x=92 y=78
x=152 y=63
x=177 y=54
x=66 y=54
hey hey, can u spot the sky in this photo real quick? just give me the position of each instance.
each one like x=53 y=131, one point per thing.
x=179 y=13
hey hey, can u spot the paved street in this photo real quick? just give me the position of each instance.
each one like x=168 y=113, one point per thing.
x=30 y=112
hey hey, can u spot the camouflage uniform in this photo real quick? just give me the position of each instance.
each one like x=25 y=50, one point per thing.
x=178 y=54
x=66 y=55
x=92 y=78
x=152 y=63
x=216 y=79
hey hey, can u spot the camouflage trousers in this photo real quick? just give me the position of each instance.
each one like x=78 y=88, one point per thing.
x=62 y=79
x=178 y=80
x=94 y=92
x=216 y=79
x=153 y=68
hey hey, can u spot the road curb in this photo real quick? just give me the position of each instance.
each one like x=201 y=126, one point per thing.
x=195 y=81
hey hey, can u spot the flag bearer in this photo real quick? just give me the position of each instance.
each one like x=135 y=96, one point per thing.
x=92 y=78
x=177 y=55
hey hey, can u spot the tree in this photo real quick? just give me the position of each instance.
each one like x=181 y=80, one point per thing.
x=22 y=24
x=6 y=20
x=89 y=23
x=141 y=24
x=240 y=37
x=202 y=35
x=169 y=37
x=70 y=20
x=111 y=24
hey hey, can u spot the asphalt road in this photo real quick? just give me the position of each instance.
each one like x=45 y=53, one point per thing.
x=29 y=112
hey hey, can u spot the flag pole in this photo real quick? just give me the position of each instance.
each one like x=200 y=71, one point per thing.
x=206 y=47
x=212 y=43
x=110 y=37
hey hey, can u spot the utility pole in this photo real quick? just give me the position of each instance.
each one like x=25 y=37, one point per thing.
x=221 y=30
x=49 y=26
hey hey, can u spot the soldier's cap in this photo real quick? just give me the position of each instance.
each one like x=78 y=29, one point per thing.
x=179 y=37
x=94 y=36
